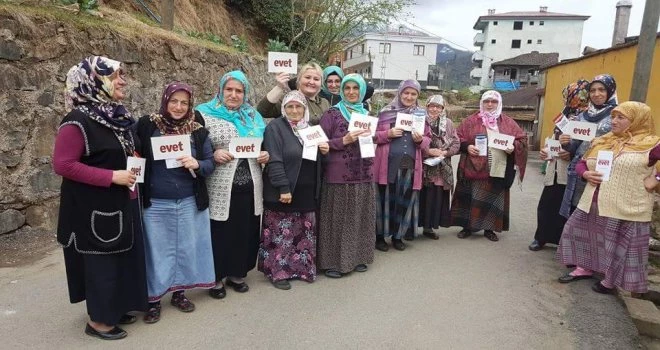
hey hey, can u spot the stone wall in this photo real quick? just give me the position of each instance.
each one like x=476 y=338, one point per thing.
x=36 y=51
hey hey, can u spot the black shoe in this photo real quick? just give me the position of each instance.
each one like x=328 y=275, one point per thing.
x=153 y=314
x=218 y=293
x=491 y=236
x=360 y=268
x=599 y=288
x=283 y=285
x=568 y=278
x=332 y=273
x=536 y=246
x=127 y=319
x=431 y=235
x=464 y=234
x=398 y=244
x=239 y=287
x=113 y=334
x=382 y=245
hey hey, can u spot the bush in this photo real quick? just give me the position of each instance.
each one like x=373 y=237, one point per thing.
x=239 y=43
x=276 y=46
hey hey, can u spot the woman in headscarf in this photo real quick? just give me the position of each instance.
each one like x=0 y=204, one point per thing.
x=609 y=231
x=332 y=76
x=291 y=187
x=438 y=179
x=99 y=223
x=175 y=201
x=549 y=222
x=309 y=82
x=398 y=168
x=235 y=187
x=348 y=213
x=481 y=200
x=602 y=100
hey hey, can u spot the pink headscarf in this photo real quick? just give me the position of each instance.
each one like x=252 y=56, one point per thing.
x=489 y=119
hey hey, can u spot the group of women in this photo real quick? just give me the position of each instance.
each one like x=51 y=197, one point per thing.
x=601 y=223
x=206 y=219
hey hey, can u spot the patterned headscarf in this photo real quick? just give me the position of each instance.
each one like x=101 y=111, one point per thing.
x=89 y=89
x=387 y=115
x=345 y=107
x=328 y=71
x=297 y=96
x=489 y=119
x=164 y=121
x=576 y=97
x=612 y=100
x=246 y=119
x=442 y=118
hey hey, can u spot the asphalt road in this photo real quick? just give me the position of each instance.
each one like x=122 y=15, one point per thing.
x=445 y=294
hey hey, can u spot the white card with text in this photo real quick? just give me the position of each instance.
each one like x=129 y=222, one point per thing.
x=553 y=147
x=282 y=62
x=310 y=152
x=500 y=141
x=367 y=147
x=245 y=147
x=404 y=121
x=604 y=163
x=584 y=131
x=312 y=135
x=170 y=147
x=363 y=122
x=136 y=166
x=419 y=123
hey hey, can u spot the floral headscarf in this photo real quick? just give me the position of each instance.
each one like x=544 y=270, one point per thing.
x=345 y=107
x=297 y=96
x=247 y=120
x=576 y=97
x=89 y=89
x=489 y=119
x=164 y=121
x=442 y=118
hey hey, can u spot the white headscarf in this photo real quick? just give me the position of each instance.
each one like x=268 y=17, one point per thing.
x=489 y=119
x=297 y=96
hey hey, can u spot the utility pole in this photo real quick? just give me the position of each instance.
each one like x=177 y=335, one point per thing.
x=645 y=49
x=168 y=15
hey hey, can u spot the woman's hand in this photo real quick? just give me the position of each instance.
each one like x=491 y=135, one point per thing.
x=324 y=148
x=564 y=155
x=353 y=136
x=394 y=133
x=123 y=178
x=436 y=152
x=222 y=156
x=417 y=137
x=285 y=198
x=650 y=183
x=473 y=150
x=263 y=157
x=283 y=81
x=189 y=162
x=593 y=177
x=543 y=155
x=564 y=139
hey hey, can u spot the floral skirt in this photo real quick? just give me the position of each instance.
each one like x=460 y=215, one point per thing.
x=288 y=246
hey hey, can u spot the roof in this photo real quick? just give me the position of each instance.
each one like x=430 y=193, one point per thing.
x=533 y=58
x=527 y=15
x=525 y=97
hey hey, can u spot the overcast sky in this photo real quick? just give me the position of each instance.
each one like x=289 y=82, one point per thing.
x=454 y=19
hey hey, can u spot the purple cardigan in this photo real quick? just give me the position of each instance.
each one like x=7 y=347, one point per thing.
x=383 y=152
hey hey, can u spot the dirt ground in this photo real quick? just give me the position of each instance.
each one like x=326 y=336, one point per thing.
x=25 y=246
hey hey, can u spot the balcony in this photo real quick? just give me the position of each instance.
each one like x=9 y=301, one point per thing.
x=476 y=73
x=356 y=60
x=479 y=39
x=477 y=56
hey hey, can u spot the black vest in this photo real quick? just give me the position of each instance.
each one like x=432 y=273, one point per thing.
x=97 y=220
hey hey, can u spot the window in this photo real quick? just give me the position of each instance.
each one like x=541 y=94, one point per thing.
x=539 y=41
x=506 y=72
x=517 y=25
x=384 y=48
x=531 y=23
x=493 y=41
x=494 y=23
x=362 y=49
x=529 y=41
x=515 y=44
x=418 y=50
x=541 y=23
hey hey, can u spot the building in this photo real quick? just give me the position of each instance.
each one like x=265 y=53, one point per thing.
x=619 y=61
x=510 y=34
x=387 y=58
x=521 y=71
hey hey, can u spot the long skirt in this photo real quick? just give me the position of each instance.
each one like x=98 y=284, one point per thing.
x=618 y=249
x=178 y=247
x=236 y=241
x=111 y=284
x=397 y=208
x=480 y=205
x=433 y=207
x=348 y=222
x=288 y=246
x=549 y=223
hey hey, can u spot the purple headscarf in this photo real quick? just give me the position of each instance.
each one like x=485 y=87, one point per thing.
x=387 y=115
x=164 y=121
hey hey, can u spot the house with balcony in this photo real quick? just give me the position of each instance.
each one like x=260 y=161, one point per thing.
x=521 y=71
x=505 y=35
x=389 y=57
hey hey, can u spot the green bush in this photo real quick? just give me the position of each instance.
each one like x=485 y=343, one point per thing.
x=276 y=46
x=239 y=43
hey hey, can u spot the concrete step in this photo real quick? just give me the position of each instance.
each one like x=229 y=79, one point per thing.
x=645 y=315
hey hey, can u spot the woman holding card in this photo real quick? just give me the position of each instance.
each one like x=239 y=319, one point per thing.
x=439 y=178
x=175 y=201
x=309 y=82
x=99 y=223
x=609 y=231
x=549 y=222
x=398 y=167
x=291 y=188
x=481 y=200
x=235 y=187
x=348 y=213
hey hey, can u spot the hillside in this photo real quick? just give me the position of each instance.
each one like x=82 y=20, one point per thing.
x=457 y=64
